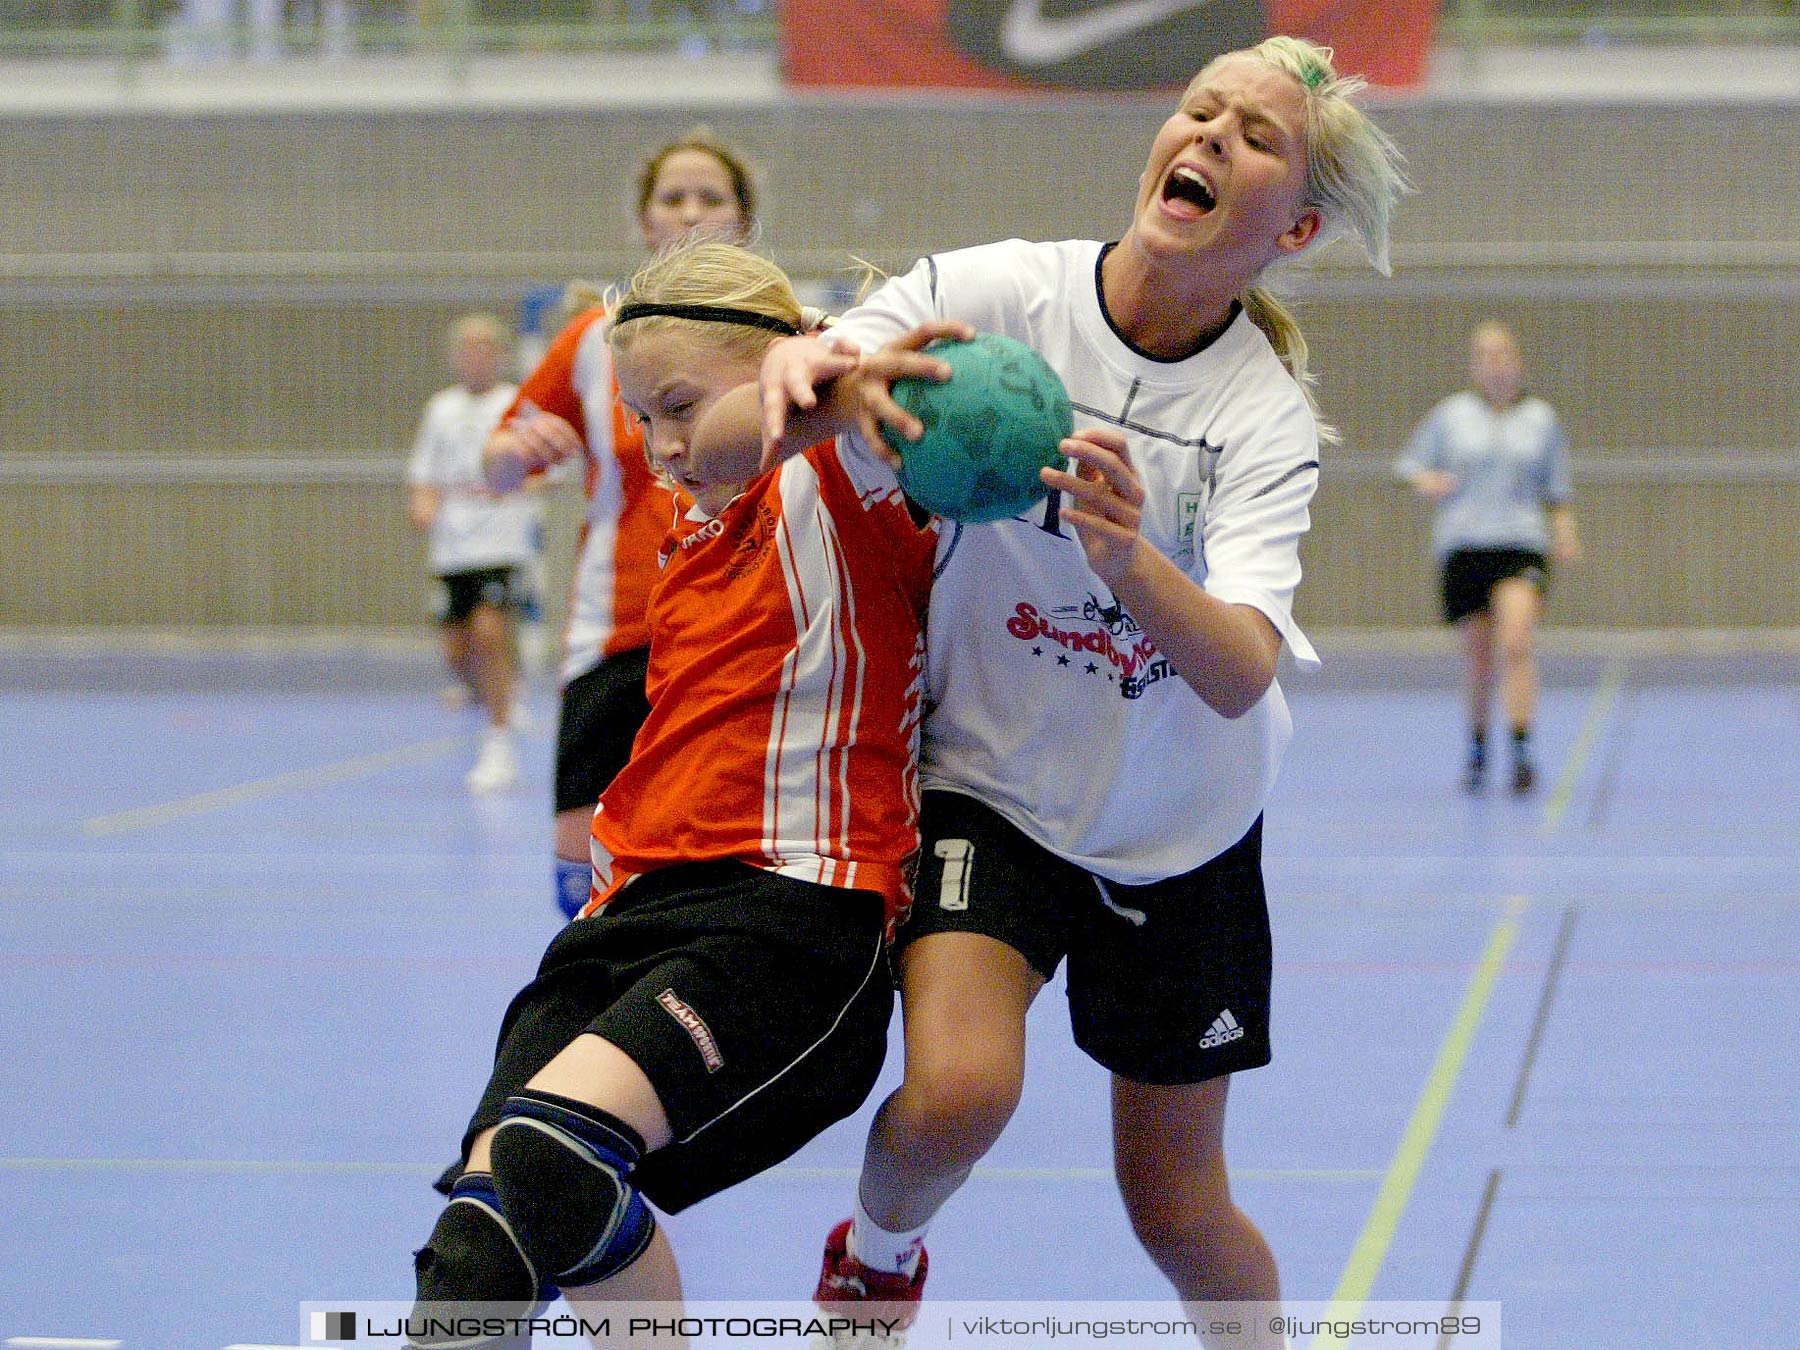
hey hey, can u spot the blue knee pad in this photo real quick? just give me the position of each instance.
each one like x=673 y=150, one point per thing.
x=574 y=886
x=561 y=1170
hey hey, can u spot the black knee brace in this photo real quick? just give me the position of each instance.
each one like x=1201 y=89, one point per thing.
x=472 y=1258
x=561 y=1170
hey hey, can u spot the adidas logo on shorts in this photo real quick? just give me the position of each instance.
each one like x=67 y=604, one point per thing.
x=1223 y=1031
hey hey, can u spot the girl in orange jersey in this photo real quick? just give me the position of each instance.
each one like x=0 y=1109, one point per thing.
x=567 y=410
x=724 y=996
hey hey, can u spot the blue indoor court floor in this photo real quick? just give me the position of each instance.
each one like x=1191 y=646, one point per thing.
x=255 y=941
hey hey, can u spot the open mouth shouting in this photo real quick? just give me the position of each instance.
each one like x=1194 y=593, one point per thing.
x=1186 y=194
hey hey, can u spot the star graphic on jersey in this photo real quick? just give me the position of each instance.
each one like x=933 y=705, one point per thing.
x=1062 y=660
x=1037 y=651
x=1092 y=668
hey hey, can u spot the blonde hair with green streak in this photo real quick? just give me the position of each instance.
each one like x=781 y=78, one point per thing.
x=1355 y=175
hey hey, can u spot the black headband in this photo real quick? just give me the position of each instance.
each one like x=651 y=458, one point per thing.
x=706 y=313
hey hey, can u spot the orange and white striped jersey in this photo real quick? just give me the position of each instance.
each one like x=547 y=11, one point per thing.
x=628 y=511
x=786 y=674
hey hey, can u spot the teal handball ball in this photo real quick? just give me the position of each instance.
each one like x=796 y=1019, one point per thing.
x=989 y=428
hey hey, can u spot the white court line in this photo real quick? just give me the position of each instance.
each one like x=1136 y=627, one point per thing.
x=57 y=1343
x=344 y=771
x=217 y=1165
x=226 y=1165
x=1383 y=864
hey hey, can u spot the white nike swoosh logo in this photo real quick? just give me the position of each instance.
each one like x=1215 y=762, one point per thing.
x=1032 y=40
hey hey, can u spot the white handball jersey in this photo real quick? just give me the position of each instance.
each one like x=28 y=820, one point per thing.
x=1047 y=701
x=475 y=527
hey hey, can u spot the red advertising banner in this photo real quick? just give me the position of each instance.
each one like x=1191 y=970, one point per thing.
x=1028 y=46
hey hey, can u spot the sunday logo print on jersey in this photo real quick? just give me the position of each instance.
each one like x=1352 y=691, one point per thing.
x=1097 y=639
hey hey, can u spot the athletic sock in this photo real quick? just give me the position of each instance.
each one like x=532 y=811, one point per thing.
x=878 y=1249
x=1478 y=748
x=1521 y=744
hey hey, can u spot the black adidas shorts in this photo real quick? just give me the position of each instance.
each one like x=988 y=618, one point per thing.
x=757 y=1005
x=602 y=710
x=1470 y=575
x=1168 y=982
x=458 y=593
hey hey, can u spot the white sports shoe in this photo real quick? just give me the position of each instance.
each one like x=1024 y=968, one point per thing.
x=496 y=766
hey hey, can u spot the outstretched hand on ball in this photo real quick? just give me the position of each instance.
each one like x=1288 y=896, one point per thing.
x=813 y=388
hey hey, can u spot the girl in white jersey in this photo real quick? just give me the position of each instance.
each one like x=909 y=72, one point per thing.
x=1104 y=722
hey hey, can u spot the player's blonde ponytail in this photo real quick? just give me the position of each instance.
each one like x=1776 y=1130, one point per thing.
x=1283 y=331
x=579 y=296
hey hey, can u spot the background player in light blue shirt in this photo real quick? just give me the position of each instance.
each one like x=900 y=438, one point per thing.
x=1495 y=462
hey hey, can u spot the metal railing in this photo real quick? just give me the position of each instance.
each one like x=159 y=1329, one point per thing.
x=208 y=31
x=225 y=30
x=1484 y=23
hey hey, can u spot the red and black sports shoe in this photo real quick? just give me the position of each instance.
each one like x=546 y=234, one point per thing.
x=844 y=1279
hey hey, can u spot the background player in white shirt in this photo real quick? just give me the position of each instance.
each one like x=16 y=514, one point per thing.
x=1105 y=723
x=482 y=541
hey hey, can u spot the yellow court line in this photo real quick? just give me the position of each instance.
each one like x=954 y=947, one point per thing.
x=1599 y=712
x=1428 y=1113
x=325 y=775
